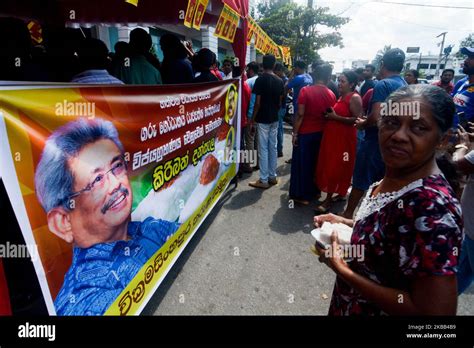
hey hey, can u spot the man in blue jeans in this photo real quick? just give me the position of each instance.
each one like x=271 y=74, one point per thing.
x=269 y=90
x=280 y=72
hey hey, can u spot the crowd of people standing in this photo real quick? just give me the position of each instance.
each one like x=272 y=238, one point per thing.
x=399 y=173
x=69 y=56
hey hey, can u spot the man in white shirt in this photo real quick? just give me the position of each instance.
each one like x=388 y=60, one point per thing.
x=227 y=68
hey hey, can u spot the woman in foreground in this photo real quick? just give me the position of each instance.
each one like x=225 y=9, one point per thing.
x=409 y=226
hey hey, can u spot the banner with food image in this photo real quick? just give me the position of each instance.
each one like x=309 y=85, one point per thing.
x=111 y=182
x=227 y=24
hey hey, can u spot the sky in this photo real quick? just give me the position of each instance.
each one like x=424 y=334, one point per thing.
x=375 y=24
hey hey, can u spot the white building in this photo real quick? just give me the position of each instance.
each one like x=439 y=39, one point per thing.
x=427 y=65
x=359 y=63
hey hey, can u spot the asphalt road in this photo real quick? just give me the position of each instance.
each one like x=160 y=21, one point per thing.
x=251 y=257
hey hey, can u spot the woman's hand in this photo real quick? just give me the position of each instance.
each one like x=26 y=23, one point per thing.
x=471 y=135
x=333 y=256
x=330 y=115
x=334 y=219
x=463 y=136
x=360 y=123
x=294 y=139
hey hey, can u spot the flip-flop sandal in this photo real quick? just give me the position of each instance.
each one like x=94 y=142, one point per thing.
x=321 y=210
x=300 y=201
x=338 y=198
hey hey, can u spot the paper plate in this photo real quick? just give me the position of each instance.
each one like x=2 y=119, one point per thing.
x=323 y=233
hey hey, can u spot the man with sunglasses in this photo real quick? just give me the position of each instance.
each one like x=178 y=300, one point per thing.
x=81 y=182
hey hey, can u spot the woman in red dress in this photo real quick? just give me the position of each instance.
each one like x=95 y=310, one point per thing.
x=338 y=145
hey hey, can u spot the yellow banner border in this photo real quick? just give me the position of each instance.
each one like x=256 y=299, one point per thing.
x=144 y=285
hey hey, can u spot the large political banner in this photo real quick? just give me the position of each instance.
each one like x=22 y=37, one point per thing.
x=109 y=183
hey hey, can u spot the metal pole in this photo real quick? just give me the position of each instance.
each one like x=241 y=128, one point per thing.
x=440 y=53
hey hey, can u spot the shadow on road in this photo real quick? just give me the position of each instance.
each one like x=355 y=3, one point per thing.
x=290 y=218
x=284 y=170
x=244 y=198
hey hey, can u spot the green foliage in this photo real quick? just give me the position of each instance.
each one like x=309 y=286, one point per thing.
x=467 y=42
x=299 y=27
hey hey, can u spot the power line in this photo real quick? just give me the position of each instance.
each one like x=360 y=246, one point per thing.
x=423 y=25
x=347 y=9
x=423 y=5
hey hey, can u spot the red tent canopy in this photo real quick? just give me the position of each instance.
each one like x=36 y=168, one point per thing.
x=118 y=11
x=240 y=42
x=112 y=11
x=59 y=12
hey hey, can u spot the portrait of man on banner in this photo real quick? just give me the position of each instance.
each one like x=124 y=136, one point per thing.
x=231 y=103
x=82 y=183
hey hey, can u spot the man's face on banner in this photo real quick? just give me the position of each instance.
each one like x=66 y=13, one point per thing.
x=105 y=205
x=232 y=99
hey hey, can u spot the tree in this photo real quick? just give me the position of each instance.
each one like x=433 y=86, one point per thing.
x=298 y=27
x=378 y=57
x=467 y=42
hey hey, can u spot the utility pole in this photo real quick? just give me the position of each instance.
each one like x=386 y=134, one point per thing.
x=447 y=52
x=440 y=52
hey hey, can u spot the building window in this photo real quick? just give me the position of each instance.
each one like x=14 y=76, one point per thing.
x=197 y=45
x=423 y=66
x=433 y=66
x=113 y=37
x=441 y=66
